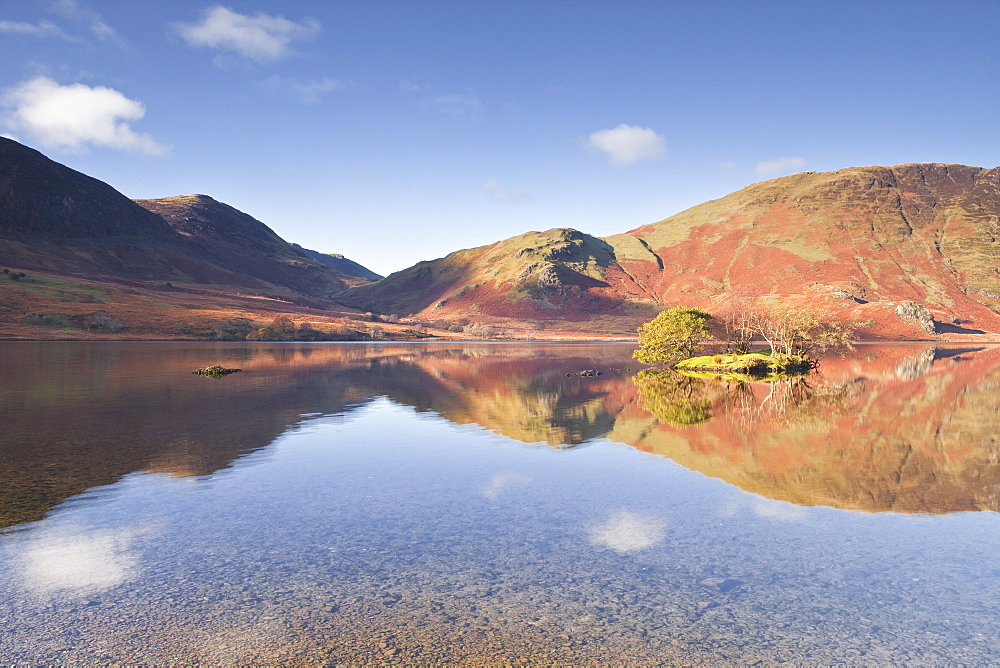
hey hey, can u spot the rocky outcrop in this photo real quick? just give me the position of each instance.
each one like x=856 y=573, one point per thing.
x=917 y=314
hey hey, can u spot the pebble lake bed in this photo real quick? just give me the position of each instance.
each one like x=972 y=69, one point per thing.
x=457 y=503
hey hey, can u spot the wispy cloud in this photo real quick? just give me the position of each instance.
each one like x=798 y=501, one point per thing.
x=262 y=37
x=499 y=194
x=769 y=169
x=74 y=11
x=411 y=88
x=307 y=92
x=76 y=116
x=628 y=144
x=451 y=104
x=455 y=104
x=40 y=29
x=781 y=511
x=626 y=532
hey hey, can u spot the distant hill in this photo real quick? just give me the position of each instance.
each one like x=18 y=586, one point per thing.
x=884 y=246
x=55 y=219
x=340 y=263
x=557 y=274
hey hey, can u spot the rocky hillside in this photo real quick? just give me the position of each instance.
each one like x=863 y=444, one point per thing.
x=340 y=263
x=56 y=220
x=559 y=274
x=872 y=241
x=911 y=251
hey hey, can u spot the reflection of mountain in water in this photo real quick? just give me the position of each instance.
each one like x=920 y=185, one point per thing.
x=525 y=395
x=890 y=428
x=905 y=431
x=78 y=415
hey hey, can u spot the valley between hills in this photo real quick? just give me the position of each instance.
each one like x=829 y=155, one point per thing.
x=902 y=252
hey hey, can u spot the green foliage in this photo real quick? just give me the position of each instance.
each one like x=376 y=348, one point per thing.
x=756 y=365
x=61 y=289
x=47 y=320
x=672 y=335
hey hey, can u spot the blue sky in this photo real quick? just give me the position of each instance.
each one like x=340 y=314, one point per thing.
x=394 y=132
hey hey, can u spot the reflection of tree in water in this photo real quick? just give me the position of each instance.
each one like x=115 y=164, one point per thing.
x=683 y=400
x=674 y=399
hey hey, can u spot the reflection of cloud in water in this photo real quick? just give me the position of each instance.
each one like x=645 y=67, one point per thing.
x=782 y=511
x=626 y=532
x=78 y=562
x=761 y=506
x=502 y=482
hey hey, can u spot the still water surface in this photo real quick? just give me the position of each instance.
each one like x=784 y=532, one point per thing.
x=450 y=503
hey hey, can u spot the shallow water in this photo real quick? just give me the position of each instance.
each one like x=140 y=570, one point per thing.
x=462 y=503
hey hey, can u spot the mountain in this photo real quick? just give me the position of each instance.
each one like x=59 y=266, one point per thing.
x=559 y=274
x=861 y=240
x=909 y=250
x=228 y=238
x=55 y=219
x=340 y=263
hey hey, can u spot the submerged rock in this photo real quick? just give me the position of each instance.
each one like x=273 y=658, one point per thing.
x=215 y=371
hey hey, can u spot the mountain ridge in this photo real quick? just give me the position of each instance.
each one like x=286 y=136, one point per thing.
x=906 y=251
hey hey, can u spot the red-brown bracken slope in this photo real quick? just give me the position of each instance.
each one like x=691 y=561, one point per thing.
x=863 y=244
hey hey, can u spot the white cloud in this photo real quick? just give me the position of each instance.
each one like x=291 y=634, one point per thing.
x=262 y=38
x=768 y=169
x=42 y=29
x=498 y=194
x=76 y=115
x=457 y=104
x=74 y=11
x=628 y=144
x=626 y=532
x=78 y=563
x=307 y=92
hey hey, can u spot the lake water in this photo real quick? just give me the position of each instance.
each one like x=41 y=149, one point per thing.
x=472 y=503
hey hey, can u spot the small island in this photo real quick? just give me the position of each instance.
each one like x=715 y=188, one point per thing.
x=675 y=337
x=752 y=364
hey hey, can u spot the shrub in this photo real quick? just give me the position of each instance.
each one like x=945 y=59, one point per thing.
x=235 y=329
x=102 y=321
x=672 y=335
x=482 y=331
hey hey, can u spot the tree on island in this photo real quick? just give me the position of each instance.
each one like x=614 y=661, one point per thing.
x=672 y=335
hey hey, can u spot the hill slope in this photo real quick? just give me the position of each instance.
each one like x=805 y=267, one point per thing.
x=890 y=246
x=55 y=219
x=559 y=274
x=340 y=263
x=925 y=233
